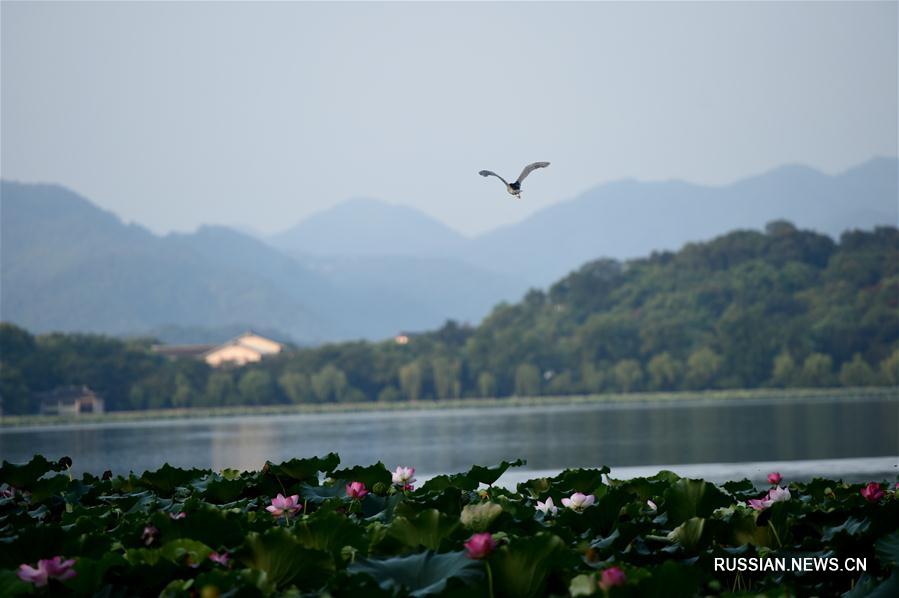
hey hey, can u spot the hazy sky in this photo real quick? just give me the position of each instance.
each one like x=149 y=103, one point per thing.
x=176 y=114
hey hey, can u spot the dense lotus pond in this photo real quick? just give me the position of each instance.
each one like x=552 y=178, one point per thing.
x=313 y=527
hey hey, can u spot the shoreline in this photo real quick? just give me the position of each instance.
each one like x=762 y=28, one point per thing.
x=643 y=398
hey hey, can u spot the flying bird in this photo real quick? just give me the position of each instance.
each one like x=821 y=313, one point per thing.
x=515 y=188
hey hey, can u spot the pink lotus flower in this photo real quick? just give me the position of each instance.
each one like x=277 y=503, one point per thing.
x=611 y=577
x=776 y=494
x=548 y=507
x=284 y=505
x=222 y=559
x=873 y=492
x=403 y=477
x=356 y=490
x=774 y=478
x=480 y=545
x=150 y=534
x=177 y=516
x=47 y=569
x=578 y=501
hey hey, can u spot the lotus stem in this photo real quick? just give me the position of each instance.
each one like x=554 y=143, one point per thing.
x=489 y=579
x=776 y=537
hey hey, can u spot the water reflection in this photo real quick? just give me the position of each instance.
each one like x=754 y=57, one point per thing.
x=550 y=438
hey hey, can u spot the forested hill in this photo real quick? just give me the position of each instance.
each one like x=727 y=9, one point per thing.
x=748 y=309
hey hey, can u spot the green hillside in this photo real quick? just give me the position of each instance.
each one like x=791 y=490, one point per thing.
x=780 y=308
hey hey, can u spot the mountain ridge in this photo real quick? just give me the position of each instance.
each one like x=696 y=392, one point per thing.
x=68 y=264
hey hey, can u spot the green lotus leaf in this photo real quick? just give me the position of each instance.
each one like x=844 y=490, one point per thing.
x=521 y=568
x=284 y=560
x=871 y=587
x=319 y=494
x=304 y=470
x=442 y=483
x=689 y=533
x=489 y=475
x=219 y=582
x=91 y=571
x=479 y=517
x=167 y=478
x=428 y=528
x=887 y=550
x=185 y=551
x=380 y=508
x=212 y=526
x=11 y=585
x=693 y=498
x=422 y=574
x=218 y=489
x=471 y=479
x=579 y=480
x=370 y=475
x=44 y=488
x=23 y=476
x=672 y=580
x=329 y=532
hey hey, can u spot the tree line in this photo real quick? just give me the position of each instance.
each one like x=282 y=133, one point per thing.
x=779 y=308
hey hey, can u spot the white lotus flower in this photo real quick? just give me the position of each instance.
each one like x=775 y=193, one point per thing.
x=578 y=501
x=548 y=508
x=403 y=476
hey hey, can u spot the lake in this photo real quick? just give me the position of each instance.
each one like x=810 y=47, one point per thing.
x=857 y=438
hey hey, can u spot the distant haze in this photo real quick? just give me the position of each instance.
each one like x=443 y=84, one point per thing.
x=257 y=115
x=367 y=269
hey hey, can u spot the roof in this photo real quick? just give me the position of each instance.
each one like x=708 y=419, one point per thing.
x=182 y=350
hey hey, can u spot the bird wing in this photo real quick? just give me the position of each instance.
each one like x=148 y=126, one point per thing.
x=530 y=167
x=491 y=173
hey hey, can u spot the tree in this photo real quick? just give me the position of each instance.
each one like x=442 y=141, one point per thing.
x=628 y=375
x=256 y=388
x=14 y=392
x=527 y=380
x=411 y=380
x=703 y=367
x=784 y=370
x=817 y=371
x=296 y=387
x=329 y=384
x=664 y=372
x=857 y=373
x=560 y=384
x=389 y=394
x=486 y=385
x=184 y=391
x=889 y=369
x=446 y=377
x=594 y=378
x=220 y=390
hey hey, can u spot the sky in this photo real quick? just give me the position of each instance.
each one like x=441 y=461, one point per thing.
x=257 y=115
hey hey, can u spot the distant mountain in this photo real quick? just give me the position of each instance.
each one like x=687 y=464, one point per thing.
x=369 y=227
x=629 y=218
x=368 y=269
x=67 y=265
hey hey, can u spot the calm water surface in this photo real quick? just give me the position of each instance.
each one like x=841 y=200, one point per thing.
x=550 y=438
